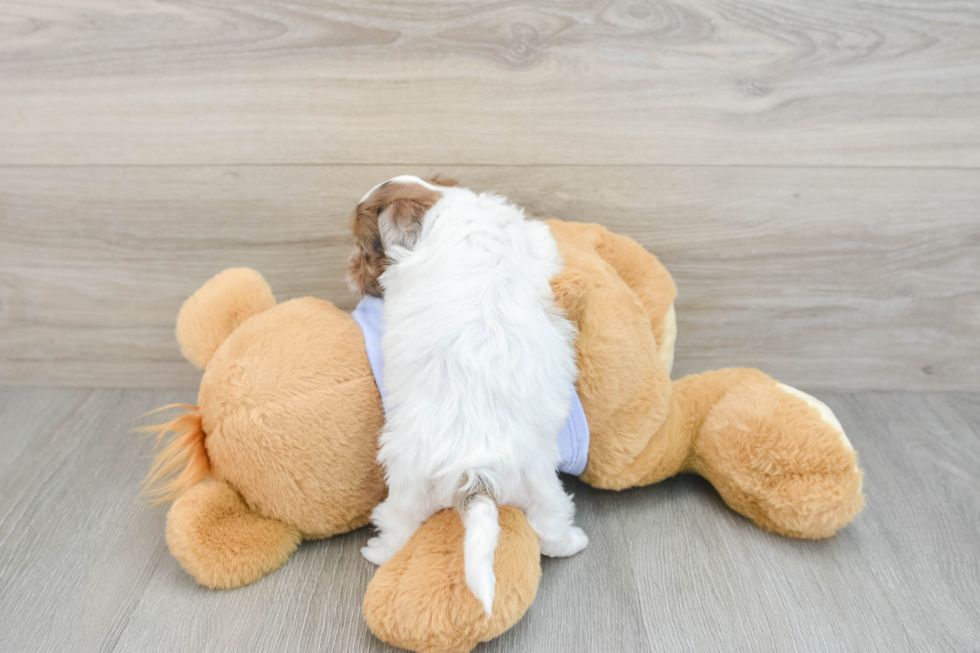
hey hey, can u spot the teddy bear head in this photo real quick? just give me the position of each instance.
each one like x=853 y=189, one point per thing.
x=289 y=411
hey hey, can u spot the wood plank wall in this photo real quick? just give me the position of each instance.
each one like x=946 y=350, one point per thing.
x=809 y=172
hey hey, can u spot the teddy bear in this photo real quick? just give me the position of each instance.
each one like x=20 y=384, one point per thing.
x=282 y=444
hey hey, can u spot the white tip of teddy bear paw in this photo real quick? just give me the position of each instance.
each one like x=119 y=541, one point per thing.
x=825 y=413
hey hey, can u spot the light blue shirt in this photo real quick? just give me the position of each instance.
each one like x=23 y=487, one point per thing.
x=573 y=440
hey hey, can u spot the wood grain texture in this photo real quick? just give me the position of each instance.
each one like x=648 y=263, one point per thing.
x=824 y=278
x=83 y=566
x=795 y=82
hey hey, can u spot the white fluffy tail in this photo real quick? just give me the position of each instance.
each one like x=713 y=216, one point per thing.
x=478 y=510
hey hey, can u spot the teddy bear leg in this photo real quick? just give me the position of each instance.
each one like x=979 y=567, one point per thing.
x=223 y=544
x=776 y=455
x=419 y=599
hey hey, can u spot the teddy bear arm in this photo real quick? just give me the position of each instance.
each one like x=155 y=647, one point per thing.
x=221 y=542
x=640 y=270
x=775 y=454
x=653 y=285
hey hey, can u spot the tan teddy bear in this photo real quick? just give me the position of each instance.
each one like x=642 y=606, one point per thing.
x=282 y=444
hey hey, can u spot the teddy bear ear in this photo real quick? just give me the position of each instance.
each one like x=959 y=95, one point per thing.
x=218 y=308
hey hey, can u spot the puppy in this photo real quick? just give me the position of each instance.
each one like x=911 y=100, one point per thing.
x=479 y=368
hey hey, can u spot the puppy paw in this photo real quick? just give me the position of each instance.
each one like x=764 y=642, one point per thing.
x=574 y=541
x=376 y=551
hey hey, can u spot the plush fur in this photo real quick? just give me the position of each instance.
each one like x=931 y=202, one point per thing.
x=479 y=371
x=290 y=416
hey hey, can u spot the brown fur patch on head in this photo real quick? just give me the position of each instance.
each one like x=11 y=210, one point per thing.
x=404 y=205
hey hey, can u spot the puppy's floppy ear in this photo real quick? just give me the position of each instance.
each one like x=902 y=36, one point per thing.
x=401 y=215
x=400 y=223
x=368 y=260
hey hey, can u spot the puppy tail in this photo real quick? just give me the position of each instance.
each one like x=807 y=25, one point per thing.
x=475 y=501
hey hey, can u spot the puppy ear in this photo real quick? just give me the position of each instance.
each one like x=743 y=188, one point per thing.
x=368 y=260
x=400 y=224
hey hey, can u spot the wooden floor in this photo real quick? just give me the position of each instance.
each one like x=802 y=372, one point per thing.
x=84 y=567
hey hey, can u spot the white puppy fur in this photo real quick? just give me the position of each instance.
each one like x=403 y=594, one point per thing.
x=479 y=370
